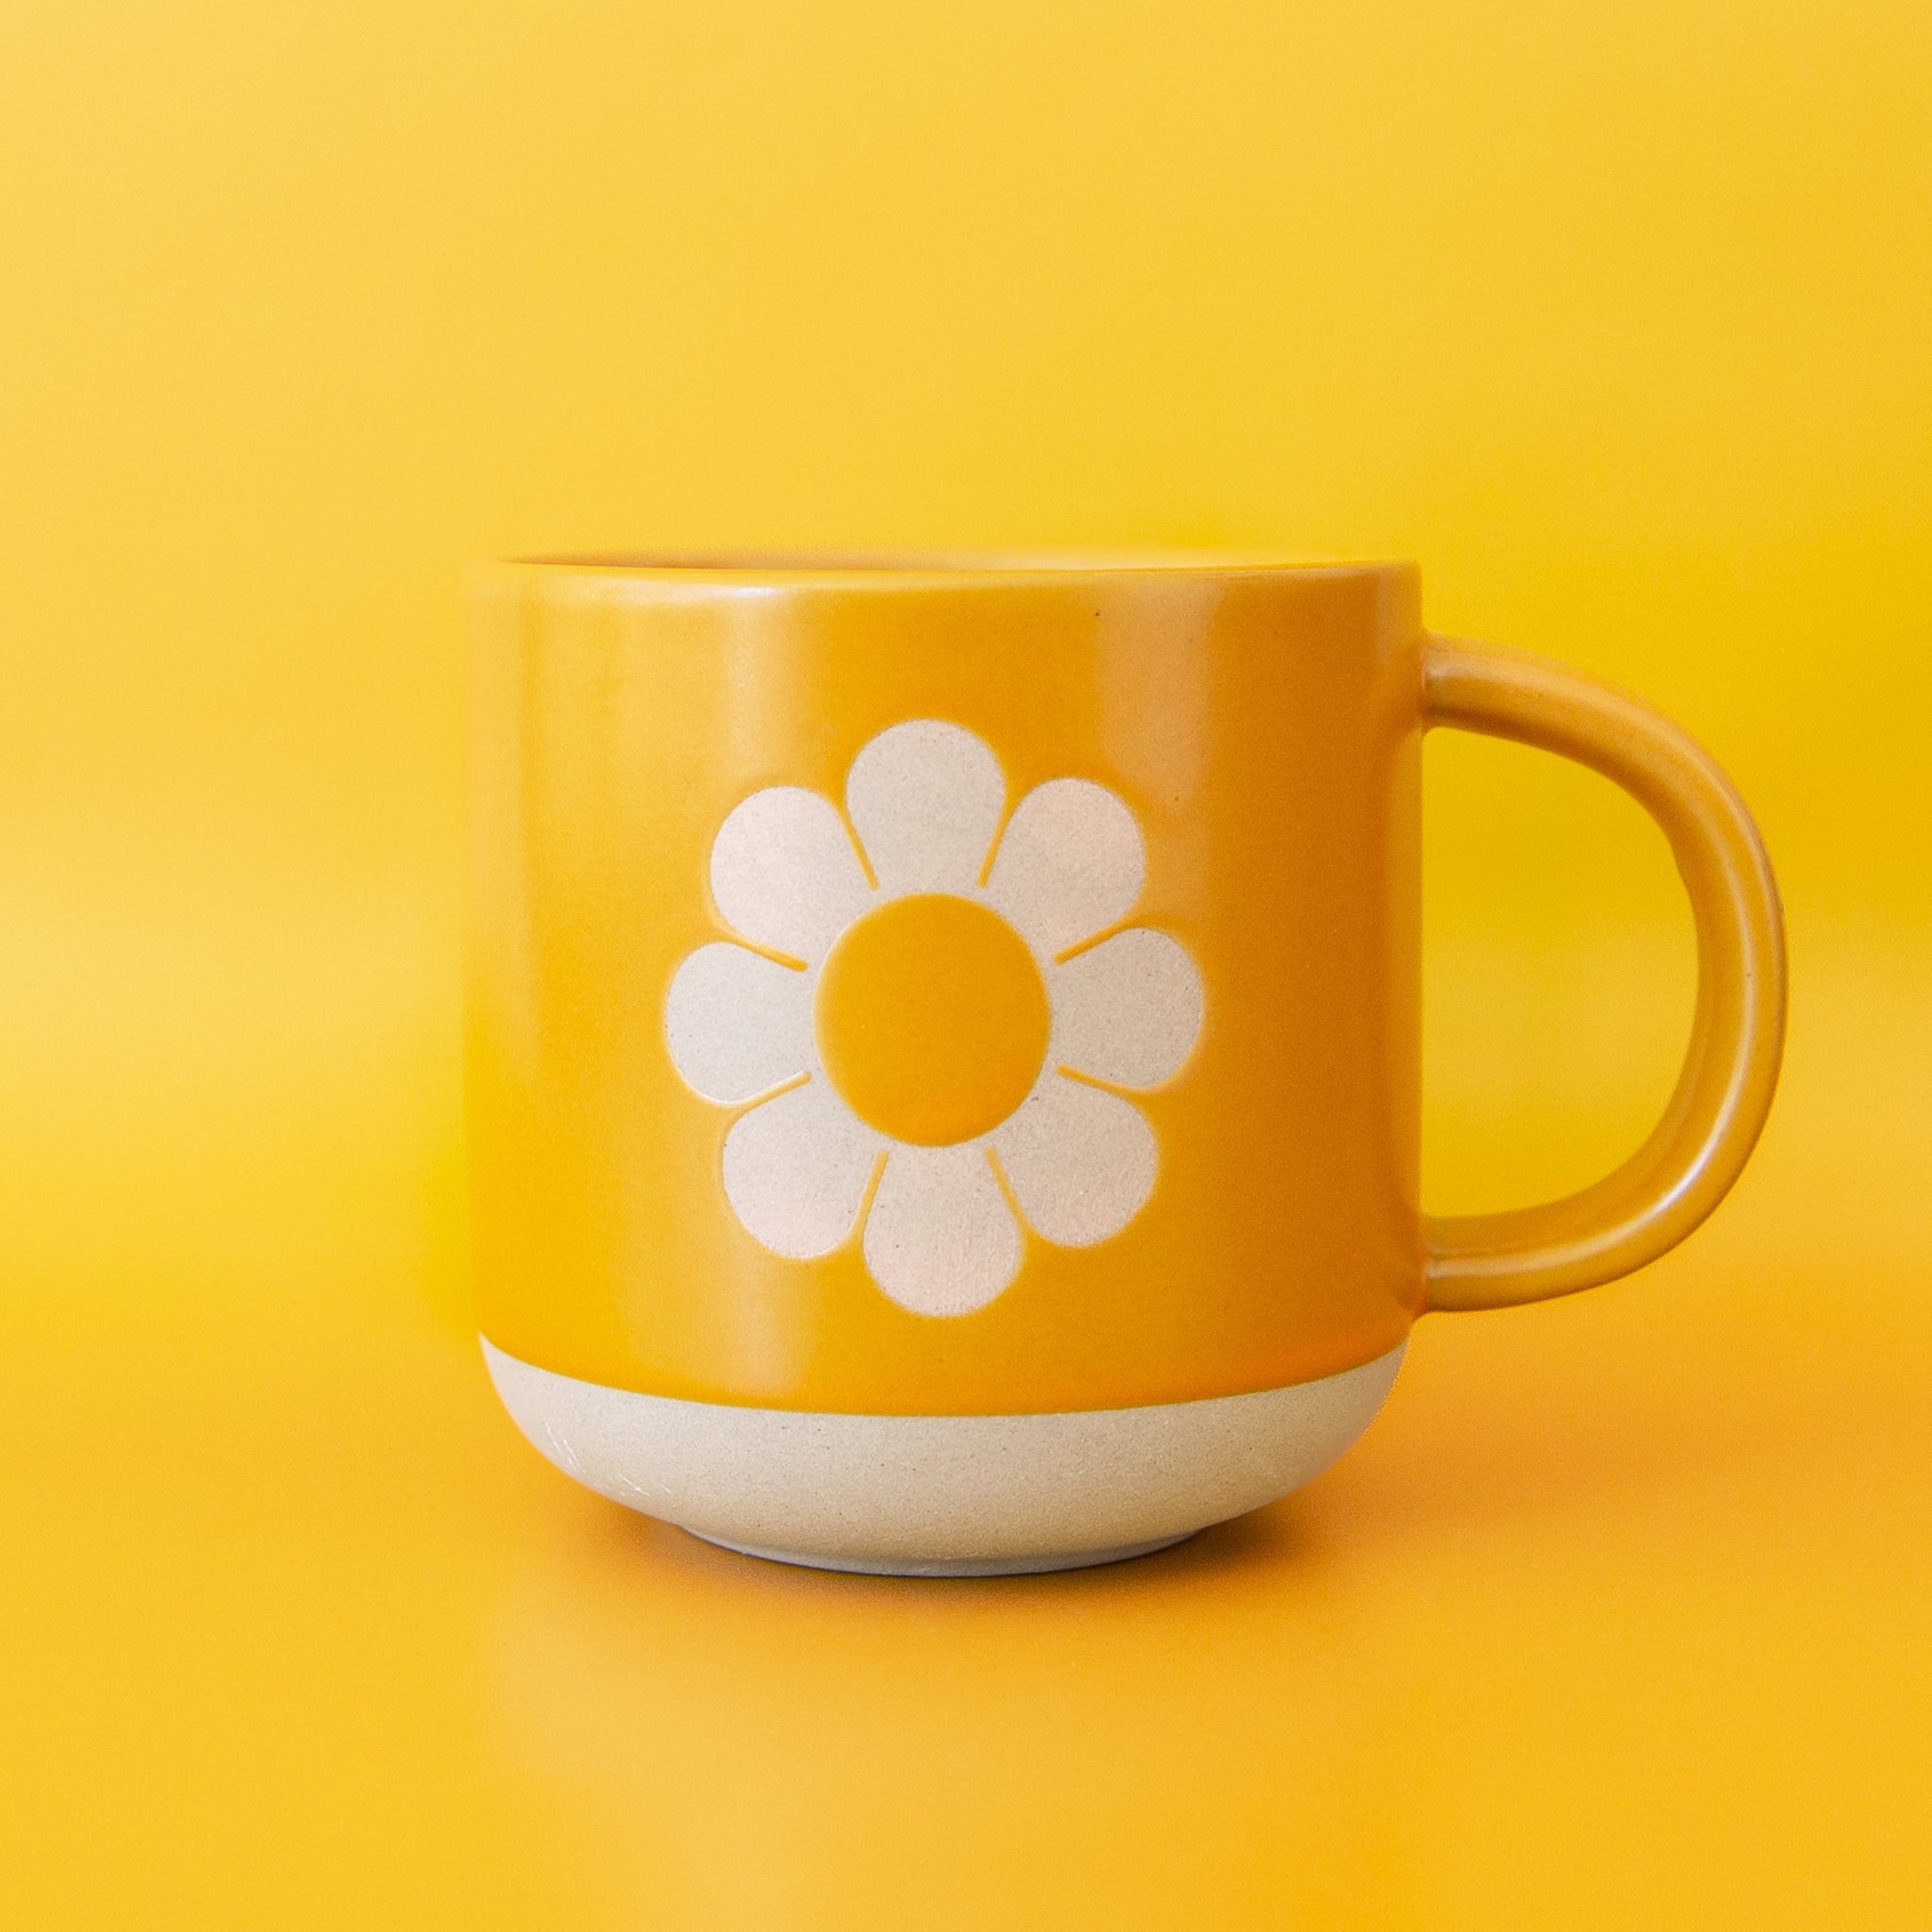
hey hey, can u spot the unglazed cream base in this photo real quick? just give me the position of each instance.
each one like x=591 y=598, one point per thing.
x=943 y=1495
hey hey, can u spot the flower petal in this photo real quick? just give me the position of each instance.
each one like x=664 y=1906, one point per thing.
x=1070 y=863
x=1128 y=1011
x=796 y=1168
x=737 y=1024
x=940 y=1239
x=926 y=799
x=1081 y=1161
x=784 y=872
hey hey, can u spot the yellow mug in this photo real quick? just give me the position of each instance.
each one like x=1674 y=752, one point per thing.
x=943 y=1063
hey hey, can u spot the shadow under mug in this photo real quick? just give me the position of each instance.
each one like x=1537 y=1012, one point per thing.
x=943 y=1060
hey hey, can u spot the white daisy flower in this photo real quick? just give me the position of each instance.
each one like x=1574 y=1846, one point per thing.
x=930 y=1032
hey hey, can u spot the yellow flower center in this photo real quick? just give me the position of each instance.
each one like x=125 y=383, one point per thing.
x=931 y=1019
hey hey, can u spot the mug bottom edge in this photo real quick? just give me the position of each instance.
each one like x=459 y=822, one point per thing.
x=941 y=1496
x=961 y=1566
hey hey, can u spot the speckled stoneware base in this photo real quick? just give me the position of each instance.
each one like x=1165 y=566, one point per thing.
x=943 y=1495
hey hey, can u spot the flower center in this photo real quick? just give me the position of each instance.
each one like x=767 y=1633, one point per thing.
x=931 y=1019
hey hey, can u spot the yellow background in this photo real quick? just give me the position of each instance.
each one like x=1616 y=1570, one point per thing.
x=1615 y=316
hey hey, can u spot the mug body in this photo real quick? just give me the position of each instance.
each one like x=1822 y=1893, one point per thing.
x=943 y=1040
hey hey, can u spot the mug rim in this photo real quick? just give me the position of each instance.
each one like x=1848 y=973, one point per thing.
x=879 y=566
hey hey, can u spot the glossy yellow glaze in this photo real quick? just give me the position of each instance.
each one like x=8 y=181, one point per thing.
x=1263 y=728
x=1262 y=724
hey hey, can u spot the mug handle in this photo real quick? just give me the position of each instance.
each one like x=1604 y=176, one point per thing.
x=1699 y=1147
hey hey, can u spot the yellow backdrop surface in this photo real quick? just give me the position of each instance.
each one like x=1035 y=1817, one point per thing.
x=1614 y=316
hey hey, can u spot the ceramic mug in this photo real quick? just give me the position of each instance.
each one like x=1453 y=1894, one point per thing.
x=943 y=1066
